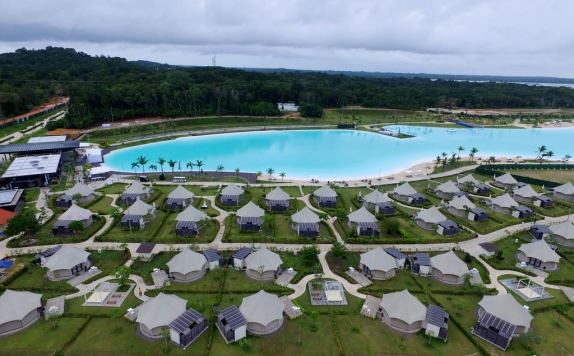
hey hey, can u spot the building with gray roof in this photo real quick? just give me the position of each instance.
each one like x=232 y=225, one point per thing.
x=564 y=192
x=263 y=265
x=460 y=206
x=277 y=200
x=232 y=324
x=377 y=264
x=447 y=189
x=263 y=312
x=187 y=266
x=179 y=198
x=539 y=255
x=448 y=268
x=402 y=311
x=305 y=222
x=67 y=262
x=133 y=192
x=189 y=221
x=505 y=181
x=187 y=327
x=231 y=195
x=250 y=217
x=428 y=218
x=18 y=310
x=363 y=222
x=62 y=226
x=525 y=194
x=325 y=197
x=563 y=233
x=159 y=312
x=505 y=307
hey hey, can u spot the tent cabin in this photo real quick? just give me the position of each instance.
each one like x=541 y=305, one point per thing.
x=417 y=199
x=494 y=330
x=505 y=307
x=447 y=228
x=86 y=193
x=263 y=265
x=231 y=324
x=543 y=201
x=505 y=181
x=43 y=256
x=277 y=200
x=187 y=327
x=437 y=322
x=18 y=310
x=250 y=217
x=238 y=258
x=525 y=194
x=459 y=206
x=477 y=215
x=158 y=312
x=189 y=221
x=448 y=268
x=403 y=191
x=214 y=258
x=263 y=312
x=385 y=208
x=400 y=258
x=428 y=218
x=325 y=197
x=503 y=204
x=187 y=266
x=467 y=181
x=5 y=215
x=461 y=194
x=66 y=263
x=447 y=190
x=378 y=202
x=62 y=226
x=179 y=198
x=421 y=264
x=231 y=195
x=522 y=212
x=305 y=222
x=363 y=222
x=377 y=264
x=539 y=255
x=134 y=216
x=63 y=201
x=402 y=311
x=563 y=233
x=135 y=191
x=540 y=232
x=564 y=192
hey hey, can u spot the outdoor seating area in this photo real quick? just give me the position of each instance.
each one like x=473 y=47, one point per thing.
x=327 y=293
x=526 y=289
x=106 y=295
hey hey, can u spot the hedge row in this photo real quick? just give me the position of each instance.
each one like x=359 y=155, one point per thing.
x=336 y=334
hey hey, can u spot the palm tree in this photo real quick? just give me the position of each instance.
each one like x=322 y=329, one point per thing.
x=220 y=168
x=452 y=159
x=492 y=159
x=282 y=175
x=443 y=164
x=270 y=171
x=161 y=162
x=143 y=161
x=472 y=152
x=153 y=167
x=438 y=160
x=541 y=150
x=190 y=166
x=134 y=166
x=237 y=170
x=549 y=155
x=199 y=163
x=259 y=174
x=460 y=149
x=566 y=158
x=171 y=163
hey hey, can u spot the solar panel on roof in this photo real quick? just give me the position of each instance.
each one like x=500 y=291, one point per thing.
x=249 y=219
x=62 y=223
x=422 y=259
x=186 y=224
x=309 y=226
x=437 y=316
x=395 y=253
x=51 y=251
x=242 y=253
x=212 y=255
x=130 y=217
x=233 y=317
x=39 y=146
x=185 y=320
x=327 y=199
x=175 y=200
x=278 y=202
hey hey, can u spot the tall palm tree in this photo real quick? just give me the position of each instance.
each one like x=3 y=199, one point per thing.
x=220 y=168
x=142 y=161
x=444 y=154
x=473 y=151
x=199 y=163
x=134 y=166
x=190 y=166
x=443 y=164
x=549 y=155
x=282 y=175
x=270 y=171
x=171 y=163
x=566 y=158
x=452 y=159
x=460 y=149
x=541 y=150
x=237 y=170
x=161 y=162
x=153 y=167
x=259 y=174
x=437 y=162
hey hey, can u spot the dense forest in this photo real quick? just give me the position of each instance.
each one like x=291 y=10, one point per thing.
x=103 y=88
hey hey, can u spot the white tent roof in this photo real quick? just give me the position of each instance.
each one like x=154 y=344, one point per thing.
x=504 y=201
x=431 y=215
x=461 y=202
x=305 y=216
x=325 y=192
x=66 y=258
x=99 y=170
x=191 y=214
x=139 y=208
x=262 y=308
x=448 y=187
x=277 y=194
x=449 y=263
x=565 y=229
x=187 y=261
x=250 y=210
x=80 y=188
x=136 y=188
x=361 y=215
x=540 y=250
x=181 y=193
x=161 y=310
x=527 y=192
x=74 y=213
x=566 y=188
x=468 y=178
x=505 y=307
x=506 y=179
x=404 y=189
x=403 y=306
x=376 y=197
x=263 y=257
x=379 y=260
x=14 y=306
x=232 y=189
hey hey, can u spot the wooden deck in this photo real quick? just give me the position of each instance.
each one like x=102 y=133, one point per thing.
x=359 y=278
x=370 y=307
x=289 y=308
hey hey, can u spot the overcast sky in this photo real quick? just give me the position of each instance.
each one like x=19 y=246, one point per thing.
x=498 y=37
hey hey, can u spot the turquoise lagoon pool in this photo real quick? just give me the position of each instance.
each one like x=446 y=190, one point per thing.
x=336 y=154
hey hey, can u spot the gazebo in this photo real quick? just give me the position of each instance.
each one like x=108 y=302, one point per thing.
x=539 y=255
x=448 y=268
x=263 y=312
x=67 y=262
x=263 y=265
x=18 y=310
x=74 y=213
x=459 y=206
x=564 y=233
x=188 y=222
x=377 y=264
x=447 y=190
x=505 y=307
x=159 y=312
x=564 y=192
x=363 y=222
x=305 y=222
x=231 y=195
x=179 y=198
x=187 y=266
x=250 y=217
x=134 y=191
x=325 y=197
x=277 y=200
x=525 y=194
x=505 y=181
x=402 y=311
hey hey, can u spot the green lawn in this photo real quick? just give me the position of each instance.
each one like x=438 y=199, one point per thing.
x=119 y=234
x=509 y=250
x=102 y=206
x=115 y=188
x=144 y=268
x=553 y=175
x=198 y=203
x=166 y=233
x=34 y=278
x=238 y=280
x=107 y=261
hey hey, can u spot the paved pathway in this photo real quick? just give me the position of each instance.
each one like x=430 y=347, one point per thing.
x=43 y=203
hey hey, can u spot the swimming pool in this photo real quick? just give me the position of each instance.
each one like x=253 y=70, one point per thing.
x=336 y=154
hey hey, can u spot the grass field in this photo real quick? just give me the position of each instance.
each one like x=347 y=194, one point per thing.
x=551 y=175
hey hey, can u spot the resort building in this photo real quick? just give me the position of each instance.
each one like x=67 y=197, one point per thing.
x=277 y=200
x=377 y=264
x=428 y=218
x=263 y=313
x=448 y=268
x=250 y=217
x=437 y=322
x=179 y=198
x=460 y=206
x=263 y=265
x=503 y=204
x=378 y=202
x=506 y=308
x=135 y=216
x=66 y=262
x=521 y=212
x=159 y=312
x=505 y=181
x=539 y=255
x=543 y=201
x=19 y=310
x=400 y=258
x=363 y=222
x=540 y=232
x=564 y=192
x=135 y=191
x=325 y=197
x=466 y=181
x=305 y=222
x=403 y=312
x=421 y=264
x=477 y=215
x=447 y=190
x=232 y=324
x=86 y=195
x=214 y=258
x=187 y=327
x=525 y=194
x=231 y=195
x=407 y=193
x=189 y=221
x=237 y=260
x=187 y=266
x=563 y=233
x=62 y=226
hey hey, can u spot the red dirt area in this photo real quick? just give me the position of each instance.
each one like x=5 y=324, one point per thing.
x=57 y=101
x=71 y=133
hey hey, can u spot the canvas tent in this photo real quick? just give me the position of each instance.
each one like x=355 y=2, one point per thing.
x=564 y=192
x=269 y=262
x=74 y=213
x=429 y=217
x=539 y=255
x=505 y=181
x=325 y=197
x=377 y=264
x=67 y=262
x=187 y=266
x=446 y=190
x=158 y=312
x=277 y=200
x=18 y=310
x=525 y=194
x=263 y=312
x=188 y=221
x=458 y=206
x=250 y=217
x=503 y=204
x=363 y=222
x=563 y=233
x=134 y=191
x=505 y=307
x=403 y=191
x=402 y=311
x=231 y=195
x=448 y=268
x=86 y=192
x=305 y=222
x=179 y=198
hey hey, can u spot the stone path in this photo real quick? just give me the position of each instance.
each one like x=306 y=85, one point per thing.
x=84 y=276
